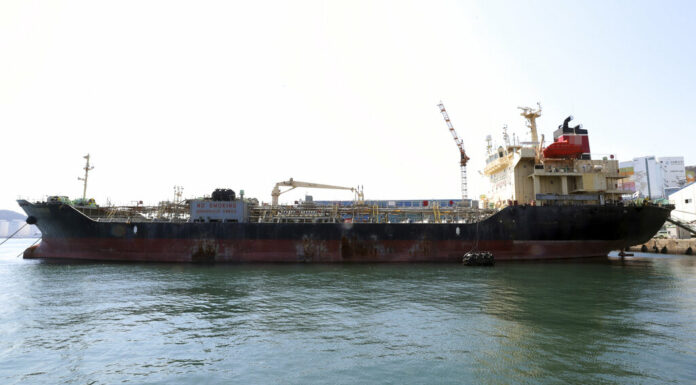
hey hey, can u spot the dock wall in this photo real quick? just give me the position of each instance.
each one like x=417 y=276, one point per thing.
x=667 y=246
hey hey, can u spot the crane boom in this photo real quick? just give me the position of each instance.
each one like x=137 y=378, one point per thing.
x=293 y=184
x=460 y=145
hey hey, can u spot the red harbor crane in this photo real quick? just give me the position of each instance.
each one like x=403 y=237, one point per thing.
x=460 y=146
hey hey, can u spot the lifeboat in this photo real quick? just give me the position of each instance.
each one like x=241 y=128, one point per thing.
x=563 y=150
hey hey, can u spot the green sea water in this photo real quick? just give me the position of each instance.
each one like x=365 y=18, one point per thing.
x=631 y=322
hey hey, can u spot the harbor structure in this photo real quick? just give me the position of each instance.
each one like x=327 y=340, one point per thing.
x=652 y=177
x=684 y=201
x=463 y=158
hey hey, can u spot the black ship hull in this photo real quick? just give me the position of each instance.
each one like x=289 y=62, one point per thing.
x=514 y=233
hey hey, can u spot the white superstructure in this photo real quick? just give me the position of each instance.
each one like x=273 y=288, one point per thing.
x=561 y=173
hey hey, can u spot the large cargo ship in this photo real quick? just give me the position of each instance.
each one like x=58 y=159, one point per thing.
x=550 y=202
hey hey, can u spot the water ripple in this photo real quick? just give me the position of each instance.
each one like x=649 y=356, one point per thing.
x=514 y=323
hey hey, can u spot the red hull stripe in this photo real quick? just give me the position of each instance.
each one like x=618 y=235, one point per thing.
x=199 y=250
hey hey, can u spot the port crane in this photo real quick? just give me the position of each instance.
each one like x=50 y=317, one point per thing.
x=293 y=184
x=460 y=145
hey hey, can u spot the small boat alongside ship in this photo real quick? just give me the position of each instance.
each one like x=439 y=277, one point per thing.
x=551 y=202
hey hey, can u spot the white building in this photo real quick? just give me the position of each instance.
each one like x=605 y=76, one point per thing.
x=650 y=176
x=4 y=228
x=673 y=171
x=8 y=228
x=17 y=224
x=684 y=202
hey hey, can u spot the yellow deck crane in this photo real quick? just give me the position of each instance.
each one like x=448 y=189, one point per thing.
x=460 y=145
x=293 y=184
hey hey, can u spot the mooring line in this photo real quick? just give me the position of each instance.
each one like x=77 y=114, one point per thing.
x=35 y=242
x=475 y=245
x=13 y=234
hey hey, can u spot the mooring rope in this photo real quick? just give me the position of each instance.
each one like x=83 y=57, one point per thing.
x=13 y=234
x=35 y=242
x=475 y=246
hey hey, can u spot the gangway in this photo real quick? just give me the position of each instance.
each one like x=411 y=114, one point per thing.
x=682 y=225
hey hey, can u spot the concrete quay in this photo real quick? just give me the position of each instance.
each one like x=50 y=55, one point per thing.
x=667 y=246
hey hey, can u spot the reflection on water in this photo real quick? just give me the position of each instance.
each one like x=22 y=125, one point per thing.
x=609 y=321
x=599 y=322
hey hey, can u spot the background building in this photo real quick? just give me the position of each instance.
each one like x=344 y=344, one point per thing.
x=4 y=228
x=653 y=177
x=684 y=211
x=8 y=228
x=673 y=173
x=690 y=174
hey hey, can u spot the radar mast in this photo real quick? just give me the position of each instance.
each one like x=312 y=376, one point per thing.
x=87 y=169
x=531 y=114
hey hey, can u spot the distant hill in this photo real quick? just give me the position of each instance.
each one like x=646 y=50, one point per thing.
x=8 y=215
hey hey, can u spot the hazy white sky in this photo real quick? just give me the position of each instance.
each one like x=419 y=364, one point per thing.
x=208 y=94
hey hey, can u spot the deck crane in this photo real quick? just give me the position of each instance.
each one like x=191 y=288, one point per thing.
x=293 y=184
x=460 y=145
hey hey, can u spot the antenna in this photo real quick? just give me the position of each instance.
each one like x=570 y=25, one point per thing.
x=178 y=191
x=87 y=169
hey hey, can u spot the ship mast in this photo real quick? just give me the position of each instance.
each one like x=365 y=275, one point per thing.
x=178 y=192
x=87 y=169
x=460 y=145
x=530 y=114
x=506 y=137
